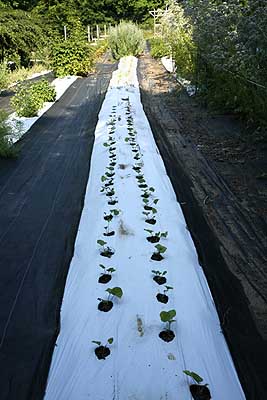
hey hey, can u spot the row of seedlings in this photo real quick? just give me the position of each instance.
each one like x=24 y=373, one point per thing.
x=108 y=189
x=198 y=390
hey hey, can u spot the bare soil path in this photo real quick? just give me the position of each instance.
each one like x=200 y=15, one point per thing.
x=215 y=173
x=41 y=198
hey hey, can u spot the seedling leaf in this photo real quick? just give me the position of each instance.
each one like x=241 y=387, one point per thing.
x=193 y=375
x=101 y=242
x=111 y=270
x=102 y=266
x=116 y=291
x=110 y=340
x=167 y=316
x=160 y=248
x=96 y=342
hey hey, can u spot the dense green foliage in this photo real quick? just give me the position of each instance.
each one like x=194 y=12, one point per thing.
x=20 y=34
x=30 y=98
x=159 y=47
x=126 y=39
x=6 y=150
x=222 y=47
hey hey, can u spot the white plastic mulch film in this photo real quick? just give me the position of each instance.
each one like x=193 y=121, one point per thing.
x=141 y=366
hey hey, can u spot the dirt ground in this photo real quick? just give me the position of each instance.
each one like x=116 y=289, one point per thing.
x=219 y=175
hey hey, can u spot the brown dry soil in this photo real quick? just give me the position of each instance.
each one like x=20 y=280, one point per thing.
x=219 y=176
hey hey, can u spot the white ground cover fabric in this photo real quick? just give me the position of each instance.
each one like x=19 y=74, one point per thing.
x=20 y=125
x=141 y=366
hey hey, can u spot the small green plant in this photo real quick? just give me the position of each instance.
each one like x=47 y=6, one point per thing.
x=159 y=277
x=157 y=255
x=193 y=375
x=198 y=391
x=150 y=216
x=167 y=317
x=105 y=251
x=107 y=271
x=155 y=236
x=106 y=276
x=102 y=351
x=162 y=297
x=107 y=304
x=149 y=203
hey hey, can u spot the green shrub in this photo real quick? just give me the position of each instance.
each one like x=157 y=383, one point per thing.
x=159 y=48
x=126 y=39
x=72 y=57
x=30 y=98
x=6 y=148
x=3 y=77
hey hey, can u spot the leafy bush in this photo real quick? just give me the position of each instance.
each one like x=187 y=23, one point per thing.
x=159 y=48
x=221 y=47
x=6 y=149
x=3 y=77
x=72 y=57
x=30 y=98
x=126 y=39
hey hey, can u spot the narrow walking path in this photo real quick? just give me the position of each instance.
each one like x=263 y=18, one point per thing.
x=41 y=197
x=127 y=169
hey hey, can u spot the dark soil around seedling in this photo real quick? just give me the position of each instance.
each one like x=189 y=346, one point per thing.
x=107 y=253
x=105 y=278
x=112 y=203
x=102 y=352
x=162 y=298
x=160 y=279
x=167 y=335
x=105 y=305
x=157 y=257
x=151 y=221
x=200 y=392
x=153 y=239
x=108 y=184
x=111 y=233
x=143 y=186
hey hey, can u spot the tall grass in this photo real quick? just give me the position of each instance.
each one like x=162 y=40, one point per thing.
x=126 y=39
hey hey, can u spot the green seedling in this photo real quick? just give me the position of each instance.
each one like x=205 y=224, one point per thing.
x=115 y=292
x=167 y=317
x=157 y=234
x=105 y=251
x=197 y=390
x=167 y=288
x=158 y=273
x=195 y=376
x=107 y=271
x=157 y=255
x=102 y=351
x=109 y=341
x=149 y=203
x=159 y=277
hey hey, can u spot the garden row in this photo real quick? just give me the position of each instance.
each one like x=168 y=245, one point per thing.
x=131 y=212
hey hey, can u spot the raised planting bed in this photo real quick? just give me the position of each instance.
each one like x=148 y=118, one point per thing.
x=154 y=340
